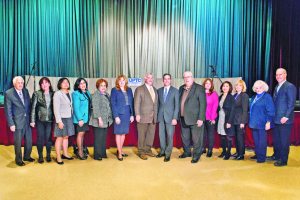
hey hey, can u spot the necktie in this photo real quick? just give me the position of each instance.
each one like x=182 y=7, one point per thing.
x=165 y=94
x=152 y=93
x=21 y=97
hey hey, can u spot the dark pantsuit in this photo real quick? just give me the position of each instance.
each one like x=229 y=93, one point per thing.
x=166 y=132
x=18 y=135
x=260 y=142
x=100 y=142
x=281 y=141
x=43 y=137
x=223 y=143
x=197 y=138
x=240 y=139
x=209 y=134
x=146 y=132
x=229 y=143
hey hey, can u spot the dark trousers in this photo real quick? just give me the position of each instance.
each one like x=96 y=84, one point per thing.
x=209 y=134
x=281 y=141
x=239 y=134
x=18 y=135
x=166 y=133
x=188 y=131
x=146 y=132
x=100 y=142
x=260 y=142
x=43 y=137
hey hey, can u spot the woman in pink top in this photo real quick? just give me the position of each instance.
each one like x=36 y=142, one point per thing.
x=212 y=102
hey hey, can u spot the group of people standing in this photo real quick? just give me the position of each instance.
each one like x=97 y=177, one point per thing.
x=198 y=109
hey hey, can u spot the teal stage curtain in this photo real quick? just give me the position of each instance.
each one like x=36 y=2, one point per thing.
x=104 y=38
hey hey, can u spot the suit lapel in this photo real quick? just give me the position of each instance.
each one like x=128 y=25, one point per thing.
x=18 y=97
x=190 y=92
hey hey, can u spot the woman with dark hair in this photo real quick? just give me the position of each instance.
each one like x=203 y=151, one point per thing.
x=42 y=117
x=101 y=118
x=122 y=108
x=226 y=105
x=62 y=106
x=212 y=103
x=81 y=106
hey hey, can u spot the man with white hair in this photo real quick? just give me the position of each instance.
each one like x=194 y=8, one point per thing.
x=17 y=112
x=192 y=110
x=284 y=98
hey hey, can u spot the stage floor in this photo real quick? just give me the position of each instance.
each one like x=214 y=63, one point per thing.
x=133 y=178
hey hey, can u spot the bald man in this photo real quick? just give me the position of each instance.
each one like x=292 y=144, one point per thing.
x=284 y=99
x=17 y=112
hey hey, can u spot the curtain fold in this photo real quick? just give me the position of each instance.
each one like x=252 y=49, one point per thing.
x=105 y=38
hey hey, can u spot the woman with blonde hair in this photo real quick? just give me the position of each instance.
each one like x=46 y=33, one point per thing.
x=122 y=108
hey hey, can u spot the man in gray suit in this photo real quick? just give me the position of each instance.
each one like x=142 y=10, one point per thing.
x=168 y=108
x=17 y=111
x=145 y=107
x=192 y=101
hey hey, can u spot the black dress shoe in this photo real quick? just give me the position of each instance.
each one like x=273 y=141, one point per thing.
x=20 y=163
x=195 y=160
x=99 y=158
x=65 y=157
x=222 y=154
x=60 y=163
x=167 y=159
x=240 y=158
x=209 y=153
x=29 y=159
x=203 y=150
x=270 y=158
x=184 y=155
x=253 y=157
x=235 y=155
x=41 y=160
x=227 y=156
x=280 y=164
x=160 y=155
x=48 y=158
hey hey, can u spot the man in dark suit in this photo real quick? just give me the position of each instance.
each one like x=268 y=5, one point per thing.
x=192 y=101
x=17 y=111
x=284 y=99
x=168 y=108
x=145 y=107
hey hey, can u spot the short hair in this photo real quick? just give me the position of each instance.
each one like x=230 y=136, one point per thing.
x=101 y=80
x=188 y=72
x=211 y=89
x=260 y=83
x=47 y=80
x=148 y=74
x=283 y=70
x=241 y=82
x=16 y=78
x=117 y=82
x=60 y=82
x=77 y=83
x=167 y=74
x=230 y=87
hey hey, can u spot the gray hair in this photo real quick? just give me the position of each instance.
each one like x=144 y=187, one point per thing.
x=261 y=83
x=16 y=78
x=188 y=73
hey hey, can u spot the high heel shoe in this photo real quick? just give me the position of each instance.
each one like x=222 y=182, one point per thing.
x=60 y=163
x=81 y=157
x=65 y=157
x=123 y=154
x=120 y=159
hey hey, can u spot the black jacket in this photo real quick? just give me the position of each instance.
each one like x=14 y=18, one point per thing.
x=39 y=107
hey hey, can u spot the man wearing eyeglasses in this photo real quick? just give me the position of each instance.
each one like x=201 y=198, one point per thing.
x=192 y=102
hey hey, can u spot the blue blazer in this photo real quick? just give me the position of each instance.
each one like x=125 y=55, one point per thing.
x=80 y=106
x=118 y=102
x=261 y=111
x=284 y=101
x=168 y=110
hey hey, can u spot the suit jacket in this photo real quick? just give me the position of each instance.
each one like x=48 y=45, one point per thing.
x=62 y=106
x=261 y=111
x=101 y=108
x=39 y=108
x=194 y=105
x=168 y=110
x=144 y=106
x=284 y=101
x=118 y=102
x=81 y=106
x=17 y=113
x=241 y=104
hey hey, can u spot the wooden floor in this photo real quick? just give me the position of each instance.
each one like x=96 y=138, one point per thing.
x=133 y=178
